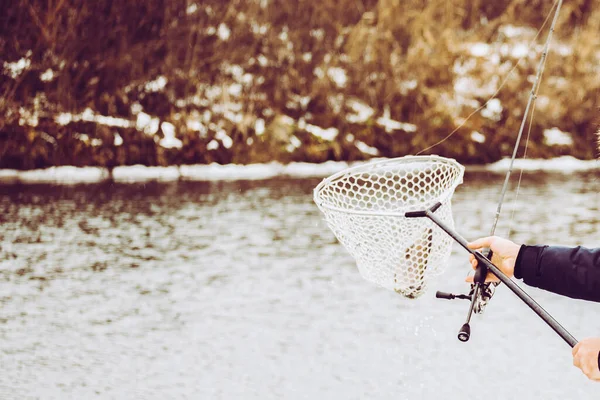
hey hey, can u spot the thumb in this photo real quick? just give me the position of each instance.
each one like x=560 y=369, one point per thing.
x=481 y=243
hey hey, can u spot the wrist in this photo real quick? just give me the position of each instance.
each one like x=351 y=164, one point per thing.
x=517 y=269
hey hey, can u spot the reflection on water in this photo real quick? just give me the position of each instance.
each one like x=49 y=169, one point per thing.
x=238 y=290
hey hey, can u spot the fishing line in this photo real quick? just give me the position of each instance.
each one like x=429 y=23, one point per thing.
x=502 y=84
x=524 y=157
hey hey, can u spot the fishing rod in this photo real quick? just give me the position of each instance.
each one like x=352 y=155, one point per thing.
x=486 y=265
x=481 y=292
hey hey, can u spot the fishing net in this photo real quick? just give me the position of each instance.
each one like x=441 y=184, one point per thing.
x=364 y=206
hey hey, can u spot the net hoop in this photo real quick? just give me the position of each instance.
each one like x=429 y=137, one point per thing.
x=365 y=205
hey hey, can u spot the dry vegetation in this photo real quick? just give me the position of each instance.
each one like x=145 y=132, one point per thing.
x=224 y=69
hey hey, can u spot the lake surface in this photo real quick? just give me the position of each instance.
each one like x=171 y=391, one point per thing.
x=238 y=290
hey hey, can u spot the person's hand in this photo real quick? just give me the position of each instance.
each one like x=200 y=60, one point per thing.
x=585 y=357
x=504 y=257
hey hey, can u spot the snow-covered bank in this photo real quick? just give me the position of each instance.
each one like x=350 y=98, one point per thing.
x=216 y=172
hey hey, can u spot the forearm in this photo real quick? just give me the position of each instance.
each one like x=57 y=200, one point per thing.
x=569 y=271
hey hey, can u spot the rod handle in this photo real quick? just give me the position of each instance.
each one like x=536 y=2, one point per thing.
x=465 y=332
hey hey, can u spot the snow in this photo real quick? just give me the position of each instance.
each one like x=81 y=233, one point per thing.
x=212 y=145
x=213 y=92
x=318 y=71
x=392 y=125
x=47 y=76
x=302 y=100
x=235 y=89
x=295 y=142
x=519 y=50
x=169 y=141
x=565 y=164
x=318 y=34
x=286 y=119
x=259 y=29
x=197 y=126
x=479 y=49
x=247 y=79
x=362 y=112
x=14 y=69
x=156 y=85
x=366 y=149
x=136 y=108
x=147 y=124
x=493 y=110
x=88 y=115
x=224 y=138
x=511 y=31
x=262 y=60
x=48 y=138
x=192 y=8
x=463 y=67
x=223 y=32
x=62 y=175
x=137 y=173
x=542 y=102
x=63 y=118
x=118 y=139
x=27 y=117
x=259 y=126
x=407 y=86
x=468 y=87
x=556 y=137
x=86 y=139
x=235 y=70
x=217 y=172
x=563 y=50
x=338 y=76
x=326 y=134
x=477 y=137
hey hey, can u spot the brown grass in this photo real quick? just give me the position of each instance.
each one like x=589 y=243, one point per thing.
x=104 y=52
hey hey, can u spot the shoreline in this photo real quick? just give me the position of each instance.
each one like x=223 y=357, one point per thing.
x=66 y=175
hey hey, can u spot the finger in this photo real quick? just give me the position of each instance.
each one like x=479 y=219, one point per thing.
x=491 y=278
x=577 y=362
x=586 y=370
x=480 y=243
x=576 y=349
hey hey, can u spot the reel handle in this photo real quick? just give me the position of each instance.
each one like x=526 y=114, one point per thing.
x=444 y=295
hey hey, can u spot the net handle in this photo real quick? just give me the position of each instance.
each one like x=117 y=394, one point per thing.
x=402 y=214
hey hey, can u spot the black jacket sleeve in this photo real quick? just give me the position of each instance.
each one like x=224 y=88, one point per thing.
x=569 y=271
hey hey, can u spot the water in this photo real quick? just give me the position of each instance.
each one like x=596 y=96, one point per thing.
x=238 y=290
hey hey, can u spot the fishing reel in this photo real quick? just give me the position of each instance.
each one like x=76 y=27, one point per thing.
x=479 y=296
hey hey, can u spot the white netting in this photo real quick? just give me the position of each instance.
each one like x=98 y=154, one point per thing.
x=364 y=206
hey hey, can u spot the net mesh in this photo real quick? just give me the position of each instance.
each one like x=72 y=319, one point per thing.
x=364 y=207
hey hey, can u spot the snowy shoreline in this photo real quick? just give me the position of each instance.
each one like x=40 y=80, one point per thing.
x=231 y=172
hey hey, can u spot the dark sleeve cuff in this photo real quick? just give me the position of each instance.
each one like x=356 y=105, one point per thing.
x=526 y=265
